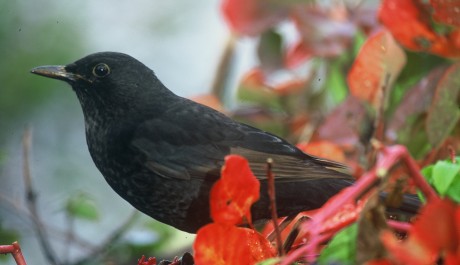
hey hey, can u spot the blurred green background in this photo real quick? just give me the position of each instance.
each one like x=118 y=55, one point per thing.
x=181 y=40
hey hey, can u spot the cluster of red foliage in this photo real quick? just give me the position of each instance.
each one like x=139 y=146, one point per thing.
x=222 y=242
x=390 y=93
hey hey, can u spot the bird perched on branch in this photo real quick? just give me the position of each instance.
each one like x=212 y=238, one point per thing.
x=162 y=153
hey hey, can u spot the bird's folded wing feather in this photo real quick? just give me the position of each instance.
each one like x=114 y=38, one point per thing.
x=174 y=146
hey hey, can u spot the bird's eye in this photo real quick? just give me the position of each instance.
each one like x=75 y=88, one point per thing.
x=101 y=70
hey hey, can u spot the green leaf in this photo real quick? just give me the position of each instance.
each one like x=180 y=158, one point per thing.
x=444 y=176
x=342 y=248
x=270 y=50
x=82 y=206
x=8 y=236
x=259 y=96
x=336 y=83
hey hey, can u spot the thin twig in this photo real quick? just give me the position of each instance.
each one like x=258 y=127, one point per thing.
x=294 y=233
x=399 y=226
x=272 y=197
x=281 y=226
x=24 y=214
x=113 y=237
x=31 y=199
x=452 y=154
x=379 y=122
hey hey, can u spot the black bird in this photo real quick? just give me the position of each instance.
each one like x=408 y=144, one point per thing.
x=162 y=153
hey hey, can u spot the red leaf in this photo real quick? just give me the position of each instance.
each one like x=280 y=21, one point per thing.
x=234 y=193
x=260 y=247
x=408 y=252
x=435 y=227
x=446 y=12
x=251 y=17
x=408 y=21
x=223 y=244
x=149 y=261
x=433 y=235
x=378 y=63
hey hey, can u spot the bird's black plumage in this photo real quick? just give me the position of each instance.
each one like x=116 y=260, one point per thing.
x=162 y=153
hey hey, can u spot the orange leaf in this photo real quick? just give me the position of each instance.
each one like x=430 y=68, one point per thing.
x=378 y=63
x=324 y=149
x=234 y=193
x=209 y=100
x=290 y=87
x=223 y=244
x=254 y=78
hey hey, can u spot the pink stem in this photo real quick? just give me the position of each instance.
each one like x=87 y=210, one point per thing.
x=400 y=226
x=15 y=250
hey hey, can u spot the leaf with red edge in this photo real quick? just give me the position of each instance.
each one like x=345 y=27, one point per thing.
x=416 y=102
x=444 y=112
x=251 y=17
x=378 y=64
x=408 y=21
x=446 y=11
x=223 y=244
x=325 y=149
x=234 y=193
x=297 y=54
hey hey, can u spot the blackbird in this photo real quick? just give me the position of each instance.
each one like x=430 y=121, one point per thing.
x=162 y=153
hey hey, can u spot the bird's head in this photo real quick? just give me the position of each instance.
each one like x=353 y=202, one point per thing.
x=109 y=82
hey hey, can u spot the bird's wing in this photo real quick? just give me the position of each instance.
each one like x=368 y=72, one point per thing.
x=191 y=141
